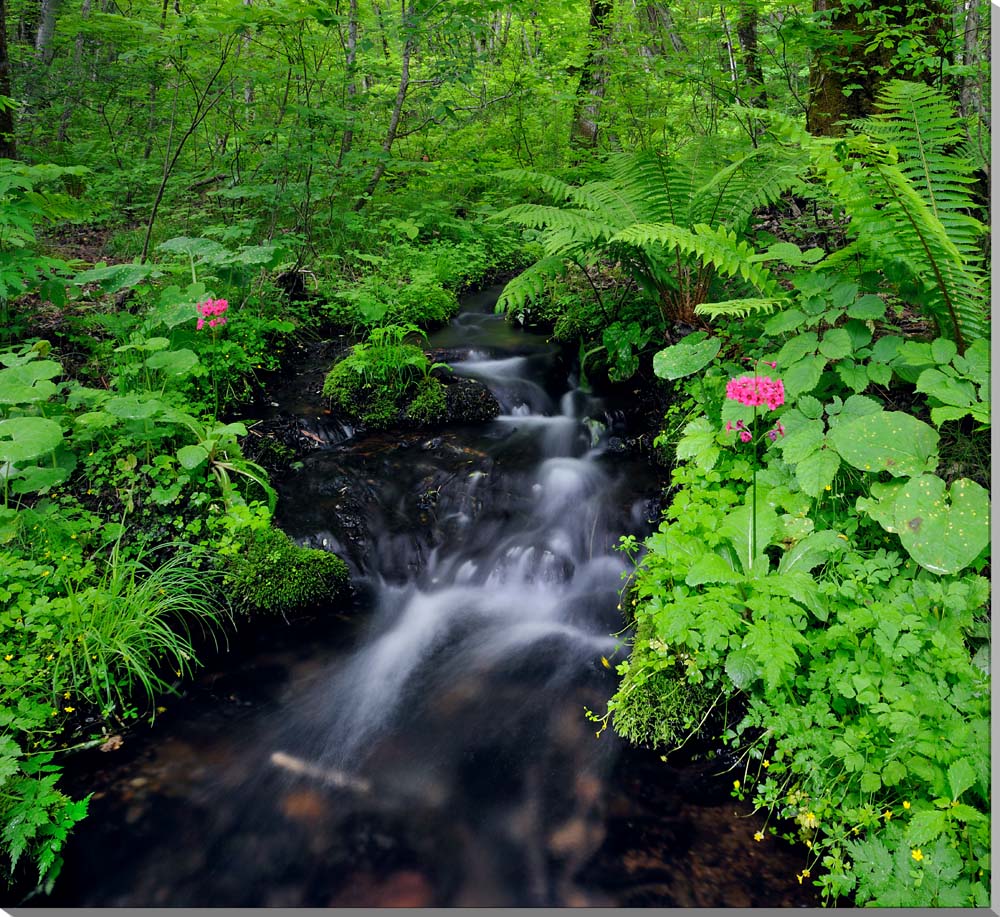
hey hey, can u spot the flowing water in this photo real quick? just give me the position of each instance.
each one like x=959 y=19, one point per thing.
x=434 y=749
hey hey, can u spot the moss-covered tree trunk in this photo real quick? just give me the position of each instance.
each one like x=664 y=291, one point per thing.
x=594 y=77
x=869 y=43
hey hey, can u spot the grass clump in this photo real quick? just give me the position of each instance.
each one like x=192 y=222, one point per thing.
x=276 y=576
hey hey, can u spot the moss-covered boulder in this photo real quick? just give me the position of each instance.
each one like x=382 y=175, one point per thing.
x=274 y=575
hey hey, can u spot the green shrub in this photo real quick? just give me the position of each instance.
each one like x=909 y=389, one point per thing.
x=274 y=575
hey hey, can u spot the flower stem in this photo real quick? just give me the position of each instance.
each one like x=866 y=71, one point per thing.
x=753 y=498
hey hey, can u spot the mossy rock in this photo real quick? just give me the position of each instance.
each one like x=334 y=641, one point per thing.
x=276 y=576
x=429 y=405
x=656 y=706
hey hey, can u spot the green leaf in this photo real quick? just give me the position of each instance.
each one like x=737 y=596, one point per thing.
x=891 y=441
x=836 y=344
x=893 y=773
x=134 y=407
x=115 y=277
x=802 y=441
x=698 y=443
x=811 y=551
x=803 y=376
x=796 y=348
x=853 y=375
x=685 y=358
x=961 y=777
x=816 y=472
x=879 y=373
x=943 y=351
x=741 y=669
x=810 y=406
x=711 y=568
x=737 y=528
x=870 y=782
x=925 y=826
x=173 y=362
x=191 y=457
x=882 y=504
x=943 y=537
x=26 y=438
x=785 y=321
x=946 y=388
x=867 y=308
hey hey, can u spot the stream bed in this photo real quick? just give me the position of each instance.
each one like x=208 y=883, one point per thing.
x=429 y=746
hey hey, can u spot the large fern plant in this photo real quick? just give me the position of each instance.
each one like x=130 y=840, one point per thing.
x=674 y=224
x=912 y=213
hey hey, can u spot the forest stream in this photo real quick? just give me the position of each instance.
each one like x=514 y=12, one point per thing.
x=431 y=747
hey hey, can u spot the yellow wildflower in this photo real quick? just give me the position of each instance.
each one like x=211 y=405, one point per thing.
x=917 y=854
x=8 y=657
x=766 y=763
x=736 y=784
x=69 y=709
x=906 y=804
x=66 y=695
x=49 y=658
x=758 y=835
x=887 y=814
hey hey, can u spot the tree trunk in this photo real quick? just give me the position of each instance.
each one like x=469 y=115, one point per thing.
x=46 y=29
x=746 y=34
x=8 y=148
x=350 y=68
x=409 y=45
x=594 y=78
x=844 y=78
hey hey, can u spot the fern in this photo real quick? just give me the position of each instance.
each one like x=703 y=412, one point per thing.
x=909 y=204
x=530 y=284
x=673 y=223
x=739 y=308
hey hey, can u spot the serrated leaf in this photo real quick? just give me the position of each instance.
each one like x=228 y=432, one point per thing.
x=785 y=321
x=698 y=443
x=925 y=826
x=816 y=472
x=741 y=669
x=711 y=568
x=853 y=375
x=870 y=782
x=867 y=308
x=836 y=344
x=803 y=376
x=961 y=777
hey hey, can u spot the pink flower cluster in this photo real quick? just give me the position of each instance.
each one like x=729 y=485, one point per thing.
x=212 y=312
x=772 y=434
x=756 y=390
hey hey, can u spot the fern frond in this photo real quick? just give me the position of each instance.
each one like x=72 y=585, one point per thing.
x=554 y=187
x=739 y=308
x=581 y=225
x=530 y=284
x=717 y=246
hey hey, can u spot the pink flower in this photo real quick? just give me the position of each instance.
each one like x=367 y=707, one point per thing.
x=745 y=436
x=773 y=365
x=729 y=427
x=754 y=391
x=210 y=308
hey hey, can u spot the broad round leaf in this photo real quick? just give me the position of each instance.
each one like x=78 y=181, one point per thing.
x=134 y=407
x=943 y=531
x=685 y=358
x=25 y=438
x=173 y=362
x=889 y=441
x=191 y=457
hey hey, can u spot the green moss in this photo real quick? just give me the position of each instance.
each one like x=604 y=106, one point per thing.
x=655 y=703
x=275 y=575
x=429 y=404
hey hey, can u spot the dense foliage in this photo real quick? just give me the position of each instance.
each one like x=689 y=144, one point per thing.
x=785 y=190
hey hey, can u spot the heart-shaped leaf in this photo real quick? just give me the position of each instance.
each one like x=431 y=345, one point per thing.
x=889 y=441
x=943 y=531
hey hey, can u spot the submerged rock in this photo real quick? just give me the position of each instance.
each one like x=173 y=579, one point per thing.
x=469 y=401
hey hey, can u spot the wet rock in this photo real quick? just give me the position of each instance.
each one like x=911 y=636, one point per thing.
x=469 y=401
x=305 y=805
